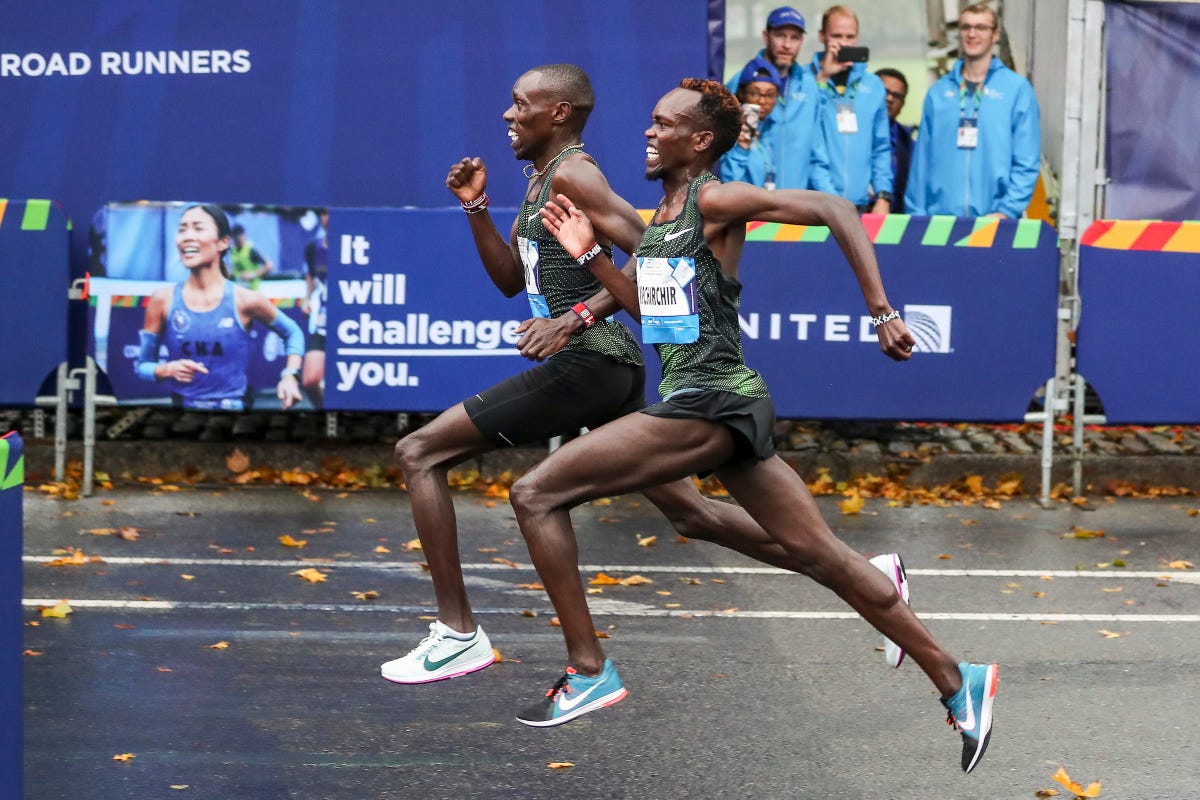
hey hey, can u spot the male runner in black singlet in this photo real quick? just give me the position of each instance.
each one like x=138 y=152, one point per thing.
x=598 y=376
x=716 y=413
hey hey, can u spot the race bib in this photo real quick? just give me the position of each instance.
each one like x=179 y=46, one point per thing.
x=528 y=248
x=667 y=299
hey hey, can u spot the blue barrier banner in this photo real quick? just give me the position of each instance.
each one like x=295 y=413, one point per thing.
x=12 y=477
x=414 y=323
x=33 y=303
x=1137 y=339
x=980 y=297
x=312 y=102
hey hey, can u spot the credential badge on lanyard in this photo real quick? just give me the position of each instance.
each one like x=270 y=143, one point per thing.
x=667 y=299
x=528 y=248
x=847 y=120
x=968 y=124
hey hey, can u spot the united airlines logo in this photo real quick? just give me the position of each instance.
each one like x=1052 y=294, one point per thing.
x=930 y=326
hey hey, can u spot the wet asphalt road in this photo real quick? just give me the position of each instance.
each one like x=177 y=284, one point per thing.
x=744 y=682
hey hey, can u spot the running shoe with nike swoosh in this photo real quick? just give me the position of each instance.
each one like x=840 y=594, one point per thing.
x=444 y=653
x=891 y=565
x=970 y=710
x=575 y=695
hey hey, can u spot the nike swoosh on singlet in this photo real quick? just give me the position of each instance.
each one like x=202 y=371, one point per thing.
x=432 y=665
x=567 y=704
x=676 y=234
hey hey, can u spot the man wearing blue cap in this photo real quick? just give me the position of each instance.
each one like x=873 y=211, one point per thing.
x=752 y=159
x=795 y=115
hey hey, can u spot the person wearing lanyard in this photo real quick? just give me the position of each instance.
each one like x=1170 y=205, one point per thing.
x=855 y=157
x=752 y=159
x=795 y=116
x=978 y=148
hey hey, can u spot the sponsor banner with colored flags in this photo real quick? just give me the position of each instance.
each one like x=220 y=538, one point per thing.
x=1137 y=338
x=979 y=296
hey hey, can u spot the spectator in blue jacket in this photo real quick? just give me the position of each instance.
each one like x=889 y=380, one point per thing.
x=795 y=115
x=752 y=159
x=854 y=159
x=978 y=149
x=896 y=87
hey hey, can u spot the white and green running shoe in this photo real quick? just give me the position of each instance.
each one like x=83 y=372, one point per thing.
x=575 y=695
x=444 y=653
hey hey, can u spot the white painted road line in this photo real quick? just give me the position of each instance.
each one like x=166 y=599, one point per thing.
x=605 y=610
x=412 y=566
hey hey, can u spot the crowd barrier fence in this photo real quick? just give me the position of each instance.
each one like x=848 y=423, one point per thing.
x=413 y=325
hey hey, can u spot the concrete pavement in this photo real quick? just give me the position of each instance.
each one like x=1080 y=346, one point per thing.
x=743 y=681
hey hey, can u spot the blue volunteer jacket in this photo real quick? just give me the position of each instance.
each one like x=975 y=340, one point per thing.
x=999 y=174
x=791 y=135
x=758 y=162
x=856 y=166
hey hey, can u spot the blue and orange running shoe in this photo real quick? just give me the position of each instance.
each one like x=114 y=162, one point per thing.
x=970 y=710
x=575 y=695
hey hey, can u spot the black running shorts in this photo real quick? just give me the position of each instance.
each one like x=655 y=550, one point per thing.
x=572 y=390
x=751 y=419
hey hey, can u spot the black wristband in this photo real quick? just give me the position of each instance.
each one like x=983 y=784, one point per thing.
x=589 y=255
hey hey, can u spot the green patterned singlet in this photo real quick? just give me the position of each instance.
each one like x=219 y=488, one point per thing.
x=714 y=360
x=554 y=281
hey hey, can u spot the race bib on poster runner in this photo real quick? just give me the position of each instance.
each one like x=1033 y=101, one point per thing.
x=528 y=248
x=667 y=299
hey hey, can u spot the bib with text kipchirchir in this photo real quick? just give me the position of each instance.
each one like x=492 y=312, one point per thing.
x=528 y=248
x=667 y=298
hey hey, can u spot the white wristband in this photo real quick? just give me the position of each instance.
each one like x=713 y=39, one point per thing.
x=885 y=318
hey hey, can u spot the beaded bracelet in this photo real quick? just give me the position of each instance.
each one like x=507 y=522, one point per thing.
x=885 y=318
x=476 y=205
x=589 y=255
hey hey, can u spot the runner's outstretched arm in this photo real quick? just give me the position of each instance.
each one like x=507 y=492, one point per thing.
x=734 y=204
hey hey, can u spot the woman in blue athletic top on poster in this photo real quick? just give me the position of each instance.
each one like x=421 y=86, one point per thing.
x=205 y=320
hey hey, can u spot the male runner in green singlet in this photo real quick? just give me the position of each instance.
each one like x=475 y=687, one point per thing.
x=598 y=376
x=716 y=413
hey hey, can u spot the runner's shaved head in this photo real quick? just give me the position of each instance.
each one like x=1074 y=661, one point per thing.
x=569 y=83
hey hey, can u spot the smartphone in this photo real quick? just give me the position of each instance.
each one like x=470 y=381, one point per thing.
x=751 y=113
x=849 y=54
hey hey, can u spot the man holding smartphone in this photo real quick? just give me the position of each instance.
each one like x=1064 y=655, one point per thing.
x=854 y=156
x=794 y=118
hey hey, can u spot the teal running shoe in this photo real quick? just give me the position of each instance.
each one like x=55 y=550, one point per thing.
x=575 y=695
x=970 y=710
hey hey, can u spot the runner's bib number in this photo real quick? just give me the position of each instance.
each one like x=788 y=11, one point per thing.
x=667 y=299
x=528 y=248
